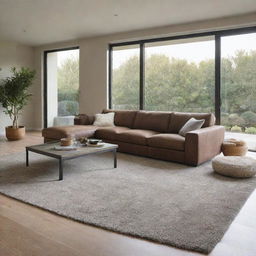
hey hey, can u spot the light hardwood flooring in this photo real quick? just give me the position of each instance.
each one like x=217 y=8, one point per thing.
x=26 y=230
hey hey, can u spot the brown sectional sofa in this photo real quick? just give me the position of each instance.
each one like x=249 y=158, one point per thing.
x=151 y=134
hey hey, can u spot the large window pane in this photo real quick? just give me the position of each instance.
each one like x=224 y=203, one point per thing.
x=179 y=75
x=238 y=87
x=68 y=82
x=125 y=77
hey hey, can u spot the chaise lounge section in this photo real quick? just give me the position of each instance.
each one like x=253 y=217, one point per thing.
x=150 y=134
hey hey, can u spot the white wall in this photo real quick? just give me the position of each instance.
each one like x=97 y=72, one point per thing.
x=15 y=55
x=52 y=90
x=93 y=58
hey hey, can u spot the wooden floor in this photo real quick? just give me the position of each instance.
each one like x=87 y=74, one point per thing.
x=27 y=230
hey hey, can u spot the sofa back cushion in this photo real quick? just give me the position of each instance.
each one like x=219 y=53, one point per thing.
x=104 y=120
x=178 y=119
x=123 y=117
x=150 y=120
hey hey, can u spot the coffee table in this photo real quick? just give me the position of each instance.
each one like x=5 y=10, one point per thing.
x=48 y=149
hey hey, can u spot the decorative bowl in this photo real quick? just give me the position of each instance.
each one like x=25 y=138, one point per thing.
x=65 y=142
x=94 y=141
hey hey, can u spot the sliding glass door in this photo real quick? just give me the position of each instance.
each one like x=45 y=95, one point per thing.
x=204 y=72
x=238 y=87
x=61 y=86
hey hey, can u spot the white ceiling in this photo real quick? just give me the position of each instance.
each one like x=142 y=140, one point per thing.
x=36 y=22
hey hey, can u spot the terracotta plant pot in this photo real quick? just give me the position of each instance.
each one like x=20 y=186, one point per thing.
x=15 y=133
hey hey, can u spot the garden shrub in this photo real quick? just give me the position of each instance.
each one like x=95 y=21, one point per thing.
x=250 y=130
x=236 y=128
x=236 y=120
x=227 y=128
x=249 y=118
x=68 y=108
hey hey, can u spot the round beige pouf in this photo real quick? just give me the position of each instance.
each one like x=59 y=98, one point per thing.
x=232 y=147
x=234 y=166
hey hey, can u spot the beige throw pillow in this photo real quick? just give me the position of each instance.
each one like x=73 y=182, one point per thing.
x=191 y=125
x=104 y=120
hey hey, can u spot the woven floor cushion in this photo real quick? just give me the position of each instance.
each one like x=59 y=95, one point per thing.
x=234 y=166
x=233 y=147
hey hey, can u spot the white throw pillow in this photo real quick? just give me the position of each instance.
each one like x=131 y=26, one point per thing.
x=191 y=125
x=104 y=120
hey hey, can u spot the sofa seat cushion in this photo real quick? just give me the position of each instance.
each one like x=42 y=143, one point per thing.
x=135 y=136
x=58 y=132
x=109 y=133
x=168 y=141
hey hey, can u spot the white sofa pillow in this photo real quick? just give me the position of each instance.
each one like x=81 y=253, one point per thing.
x=104 y=120
x=191 y=125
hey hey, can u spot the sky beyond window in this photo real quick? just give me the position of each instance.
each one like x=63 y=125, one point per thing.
x=192 y=51
x=63 y=55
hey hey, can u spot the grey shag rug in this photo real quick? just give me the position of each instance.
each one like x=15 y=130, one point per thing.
x=173 y=204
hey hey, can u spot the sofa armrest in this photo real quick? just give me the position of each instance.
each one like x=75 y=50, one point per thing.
x=203 y=144
x=83 y=119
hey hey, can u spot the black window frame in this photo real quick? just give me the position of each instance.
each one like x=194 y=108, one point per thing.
x=217 y=37
x=45 y=85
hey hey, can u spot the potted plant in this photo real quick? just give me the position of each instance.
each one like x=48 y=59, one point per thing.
x=14 y=96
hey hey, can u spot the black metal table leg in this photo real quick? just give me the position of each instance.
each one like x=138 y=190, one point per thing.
x=60 y=169
x=27 y=160
x=115 y=159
